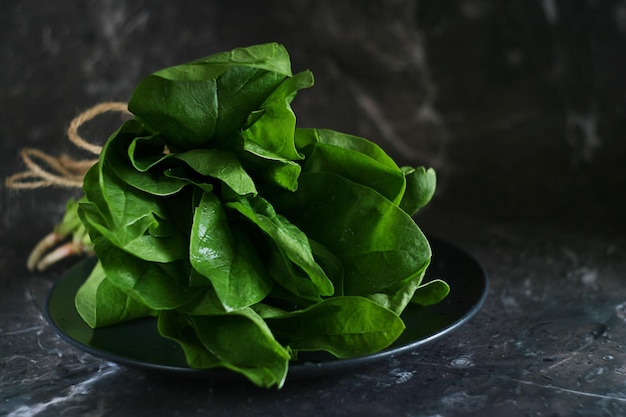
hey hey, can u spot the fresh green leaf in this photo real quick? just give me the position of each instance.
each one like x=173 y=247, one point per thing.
x=398 y=300
x=293 y=247
x=220 y=165
x=344 y=326
x=273 y=172
x=271 y=135
x=214 y=163
x=191 y=104
x=100 y=303
x=349 y=157
x=380 y=246
x=308 y=136
x=227 y=340
x=430 y=293
x=131 y=156
x=125 y=215
x=176 y=326
x=223 y=254
x=420 y=188
x=160 y=286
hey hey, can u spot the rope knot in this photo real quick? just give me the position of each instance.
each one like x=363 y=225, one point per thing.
x=45 y=170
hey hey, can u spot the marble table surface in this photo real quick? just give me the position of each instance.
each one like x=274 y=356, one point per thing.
x=519 y=106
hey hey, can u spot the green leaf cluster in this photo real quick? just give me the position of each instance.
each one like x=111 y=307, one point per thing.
x=251 y=239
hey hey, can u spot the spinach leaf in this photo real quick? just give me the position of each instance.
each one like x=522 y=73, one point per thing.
x=126 y=216
x=344 y=326
x=293 y=247
x=196 y=105
x=420 y=188
x=296 y=288
x=100 y=303
x=309 y=136
x=431 y=292
x=398 y=300
x=240 y=341
x=347 y=156
x=179 y=169
x=271 y=135
x=175 y=326
x=272 y=172
x=224 y=255
x=220 y=165
x=122 y=159
x=159 y=286
x=380 y=246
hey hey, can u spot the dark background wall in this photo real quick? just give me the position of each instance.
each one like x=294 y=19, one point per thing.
x=519 y=105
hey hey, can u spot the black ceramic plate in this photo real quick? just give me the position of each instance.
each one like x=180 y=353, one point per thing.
x=138 y=343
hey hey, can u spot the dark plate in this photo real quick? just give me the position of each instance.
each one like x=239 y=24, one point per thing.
x=138 y=343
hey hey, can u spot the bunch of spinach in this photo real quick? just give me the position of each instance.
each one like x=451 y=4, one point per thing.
x=248 y=238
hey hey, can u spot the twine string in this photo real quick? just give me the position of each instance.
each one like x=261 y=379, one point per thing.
x=44 y=170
